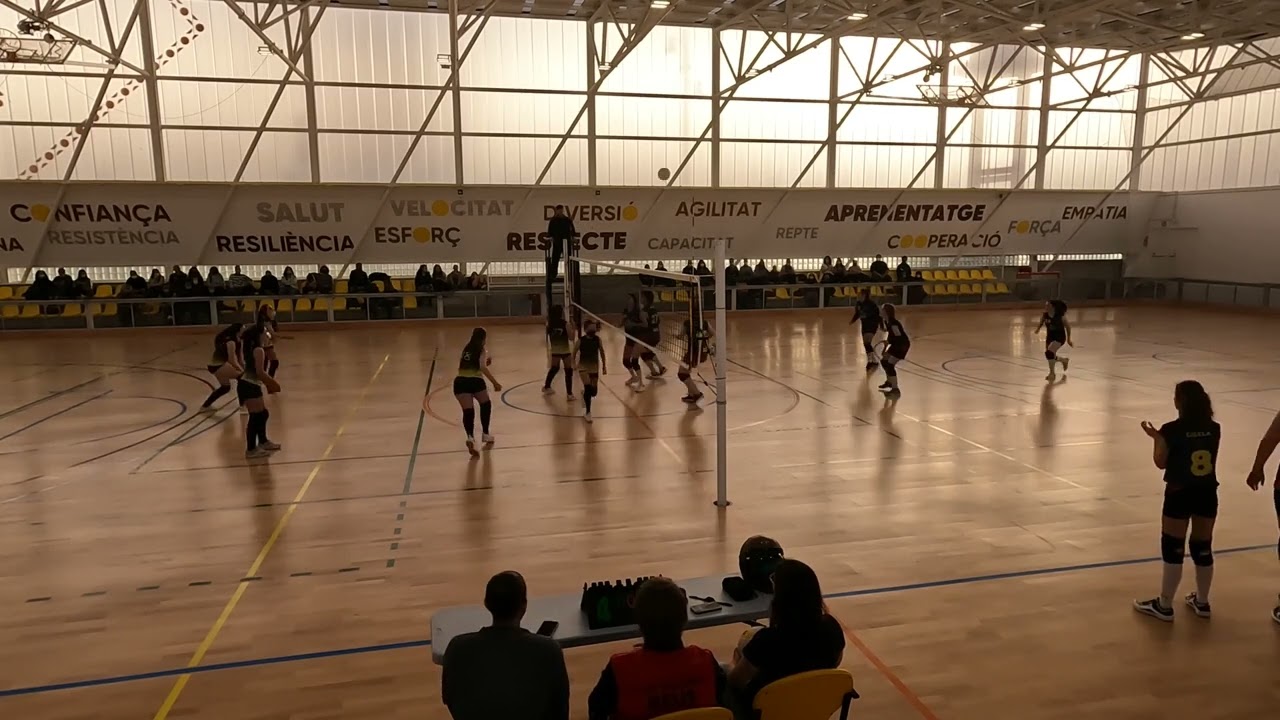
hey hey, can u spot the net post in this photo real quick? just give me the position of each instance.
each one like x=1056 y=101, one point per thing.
x=722 y=411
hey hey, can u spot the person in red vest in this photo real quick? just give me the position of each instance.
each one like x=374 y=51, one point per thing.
x=663 y=675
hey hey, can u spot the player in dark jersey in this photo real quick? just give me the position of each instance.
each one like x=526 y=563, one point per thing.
x=1257 y=478
x=634 y=326
x=267 y=319
x=1054 y=319
x=560 y=347
x=697 y=339
x=224 y=365
x=868 y=313
x=653 y=336
x=469 y=388
x=249 y=389
x=1187 y=450
x=896 y=345
x=591 y=365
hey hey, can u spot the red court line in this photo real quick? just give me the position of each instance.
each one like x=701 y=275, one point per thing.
x=910 y=695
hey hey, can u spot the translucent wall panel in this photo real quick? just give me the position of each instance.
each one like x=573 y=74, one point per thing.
x=523 y=113
x=1090 y=129
x=749 y=119
x=992 y=126
x=370 y=158
x=527 y=53
x=215 y=155
x=210 y=41
x=637 y=162
x=887 y=123
x=652 y=117
x=671 y=60
x=1007 y=69
x=804 y=76
x=44 y=153
x=215 y=104
x=759 y=164
x=1240 y=162
x=1091 y=72
x=69 y=99
x=862 y=60
x=1252 y=113
x=519 y=161
x=376 y=108
x=988 y=167
x=884 y=167
x=1086 y=169
x=383 y=46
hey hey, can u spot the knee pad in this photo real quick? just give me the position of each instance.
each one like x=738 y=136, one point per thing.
x=486 y=404
x=1201 y=552
x=1049 y=355
x=1172 y=550
x=683 y=375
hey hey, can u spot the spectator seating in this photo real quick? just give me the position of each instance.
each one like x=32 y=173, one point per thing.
x=812 y=695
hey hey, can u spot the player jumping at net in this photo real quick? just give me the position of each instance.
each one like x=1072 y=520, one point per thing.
x=653 y=336
x=1187 y=450
x=469 y=389
x=896 y=346
x=697 y=338
x=560 y=345
x=1059 y=334
x=868 y=313
x=591 y=365
x=1257 y=478
x=634 y=327
x=225 y=365
x=249 y=389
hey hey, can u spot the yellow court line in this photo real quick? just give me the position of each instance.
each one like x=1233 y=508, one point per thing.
x=230 y=607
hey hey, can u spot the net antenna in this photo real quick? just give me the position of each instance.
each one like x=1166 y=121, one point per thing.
x=682 y=303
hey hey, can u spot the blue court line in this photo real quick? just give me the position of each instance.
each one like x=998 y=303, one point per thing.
x=37 y=689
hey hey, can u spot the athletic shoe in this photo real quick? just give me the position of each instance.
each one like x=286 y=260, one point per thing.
x=662 y=370
x=258 y=452
x=887 y=389
x=269 y=446
x=639 y=386
x=1050 y=377
x=570 y=397
x=208 y=410
x=1153 y=608
x=547 y=391
x=487 y=439
x=1199 y=608
x=871 y=366
x=587 y=416
x=631 y=381
x=1065 y=362
x=471 y=446
x=692 y=399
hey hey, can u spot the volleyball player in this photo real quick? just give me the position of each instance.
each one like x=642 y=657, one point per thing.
x=653 y=336
x=1059 y=333
x=469 y=388
x=633 y=327
x=559 y=341
x=225 y=364
x=868 y=313
x=897 y=344
x=1257 y=478
x=591 y=365
x=697 y=336
x=271 y=329
x=249 y=389
x=1187 y=450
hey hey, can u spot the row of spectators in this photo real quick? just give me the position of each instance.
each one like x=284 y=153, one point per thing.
x=505 y=671
x=836 y=272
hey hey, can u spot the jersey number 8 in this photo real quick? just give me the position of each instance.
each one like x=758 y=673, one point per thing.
x=1201 y=463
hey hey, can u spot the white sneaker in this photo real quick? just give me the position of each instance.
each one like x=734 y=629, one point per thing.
x=208 y=410
x=270 y=446
x=471 y=446
x=258 y=452
x=631 y=381
x=547 y=391
x=639 y=386
x=1050 y=377
x=587 y=416
x=570 y=397
x=487 y=439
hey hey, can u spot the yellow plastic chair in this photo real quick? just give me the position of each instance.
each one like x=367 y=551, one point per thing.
x=841 y=292
x=285 y=305
x=321 y=304
x=953 y=289
x=100 y=309
x=682 y=295
x=30 y=311
x=72 y=310
x=927 y=275
x=9 y=310
x=714 y=713
x=1002 y=289
x=410 y=302
x=6 y=292
x=303 y=305
x=666 y=296
x=990 y=289
x=966 y=290
x=341 y=287
x=339 y=303
x=988 y=275
x=964 y=275
x=104 y=291
x=808 y=696
x=782 y=294
x=267 y=301
x=248 y=306
x=952 y=275
x=877 y=291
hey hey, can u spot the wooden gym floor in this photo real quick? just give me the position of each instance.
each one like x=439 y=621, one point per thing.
x=983 y=536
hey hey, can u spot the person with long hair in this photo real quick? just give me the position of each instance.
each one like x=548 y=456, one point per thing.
x=652 y=336
x=469 y=388
x=868 y=314
x=1186 y=450
x=250 y=390
x=560 y=347
x=896 y=346
x=697 y=337
x=270 y=331
x=591 y=365
x=1257 y=478
x=633 y=327
x=225 y=364
x=801 y=636
x=1054 y=319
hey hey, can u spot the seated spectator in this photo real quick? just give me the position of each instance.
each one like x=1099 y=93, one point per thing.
x=730 y=273
x=195 y=285
x=855 y=273
x=662 y=281
x=155 y=283
x=439 y=281
x=903 y=271
x=689 y=269
x=269 y=284
x=177 y=285
x=760 y=268
x=879 y=269
x=775 y=276
x=801 y=635
x=358 y=280
x=504 y=671
x=83 y=285
x=134 y=287
x=838 y=271
x=455 y=278
x=788 y=273
x=215 y=282
x=311 y=286
x=422 y=280
x=663 y=675
x=63 y=285
x=388 y=285
x=239 y=284
x=324 y=281
x=289 y=282
x=41 y=288
x=477 y=282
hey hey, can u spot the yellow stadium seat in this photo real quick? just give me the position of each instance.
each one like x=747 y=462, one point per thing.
x=410 y=302
x=927 y=275
x=815 y=695
x=988 y=275
x=30 y=311
x=953 y=289
x=341 y=287
x=951 y=275
x=267 y=301
x=321 y=304
x=100 y=309
x=72 y=310
x=990 y=289
x=9 y=310
x=940 y=289
x=666 y=296
x=248 y=306
x=6 y=292
x=682 y=295
x=227 y=305
x=1002 y=289
x=965 y=289
x=152 y=309
x=712 y=713
x=782 y=294
x=380 y=286
x=964 y=275
x=303 y=305
x=285 y=305
x=339 y=303
x=104 y=291
x=842 y=292
x=877 y=291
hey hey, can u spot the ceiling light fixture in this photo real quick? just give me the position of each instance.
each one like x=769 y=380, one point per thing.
x=1033 y=26
x=660 y=4
x=856 y=16
x=604 y=67
x=1193 y=36
x=752 y=72
x=264 y=50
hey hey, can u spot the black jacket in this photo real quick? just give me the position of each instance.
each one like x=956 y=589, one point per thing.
x=560 y=228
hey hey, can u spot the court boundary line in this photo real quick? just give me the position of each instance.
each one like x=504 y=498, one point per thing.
x=408 y=644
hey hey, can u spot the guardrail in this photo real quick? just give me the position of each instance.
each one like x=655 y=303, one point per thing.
x=101 y=313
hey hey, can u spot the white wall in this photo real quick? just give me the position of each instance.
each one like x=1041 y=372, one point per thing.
x=1235 y=236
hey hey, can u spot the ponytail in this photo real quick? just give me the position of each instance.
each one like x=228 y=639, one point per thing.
x=1192 y=401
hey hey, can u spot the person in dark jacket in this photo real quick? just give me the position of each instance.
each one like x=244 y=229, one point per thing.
x=63 y=285
x=422 y=280
x=439 y=281
x=83 y=285
x=269 y=285
x=560 y=229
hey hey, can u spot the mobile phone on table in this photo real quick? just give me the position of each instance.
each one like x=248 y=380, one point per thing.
x=548 y=628
x=704 y=608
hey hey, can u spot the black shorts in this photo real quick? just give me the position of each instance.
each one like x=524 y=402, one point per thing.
x=469 y=385
x=899 y=352
x=564 y=357
x=213 y=369
x=1184 y=500
x=1060 y=338
x=246 y=391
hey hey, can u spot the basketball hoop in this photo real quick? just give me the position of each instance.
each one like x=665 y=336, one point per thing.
x=34 y=51
x=964 y=95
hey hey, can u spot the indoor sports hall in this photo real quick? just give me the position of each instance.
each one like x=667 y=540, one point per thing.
x=256 y=462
